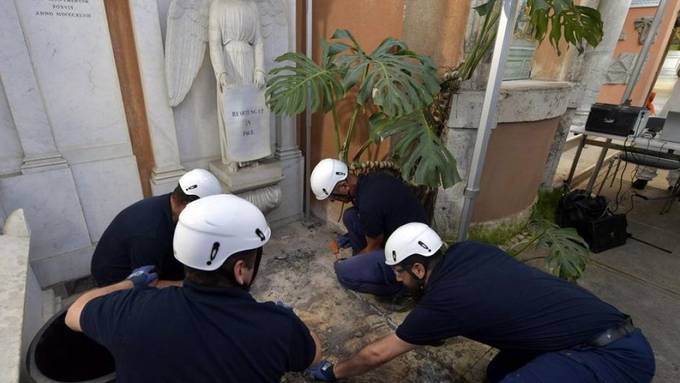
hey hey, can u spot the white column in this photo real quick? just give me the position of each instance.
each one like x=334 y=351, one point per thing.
x=23 y=96
x=286 y=139
x=596 y=60
x=161 y=121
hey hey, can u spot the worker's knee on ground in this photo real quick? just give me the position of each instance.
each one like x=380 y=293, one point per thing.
x=344 y=272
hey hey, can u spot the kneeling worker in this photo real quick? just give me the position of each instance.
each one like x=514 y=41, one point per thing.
x=547 y=329
x=211 y=329
x=381 y=203
x=141 y=234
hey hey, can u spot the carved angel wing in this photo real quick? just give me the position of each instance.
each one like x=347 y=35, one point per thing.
x=274 y=15
x=185 y=43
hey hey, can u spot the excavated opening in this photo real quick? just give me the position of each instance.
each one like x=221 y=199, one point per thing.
x=64 y=355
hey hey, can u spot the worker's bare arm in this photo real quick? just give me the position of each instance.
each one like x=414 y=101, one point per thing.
x=371 y=356
x=166 y=283
x=317 y=343
x=74 y=312
x=372 y=243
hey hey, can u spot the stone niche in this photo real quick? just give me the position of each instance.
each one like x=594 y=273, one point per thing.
x=275 y=184
x=66 y=153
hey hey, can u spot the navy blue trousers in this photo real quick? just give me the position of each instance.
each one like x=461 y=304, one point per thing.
x=627 y=360
x=365 y=273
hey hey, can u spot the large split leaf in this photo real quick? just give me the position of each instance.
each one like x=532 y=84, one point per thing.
x=562 y=18
x=423 y=158
x=568 y=252
x=292 y=86
x=396 y=79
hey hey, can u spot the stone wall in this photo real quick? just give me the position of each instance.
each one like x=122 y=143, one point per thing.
x=68 y=162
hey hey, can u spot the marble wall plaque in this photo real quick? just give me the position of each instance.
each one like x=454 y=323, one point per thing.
x=70 y=48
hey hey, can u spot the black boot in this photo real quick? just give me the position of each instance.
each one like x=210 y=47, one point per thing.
x=639 y=184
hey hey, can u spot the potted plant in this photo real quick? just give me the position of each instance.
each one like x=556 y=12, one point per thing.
x=391 y=87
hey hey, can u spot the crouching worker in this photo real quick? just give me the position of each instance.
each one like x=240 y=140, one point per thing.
x=141 y=234
x=210 y=330
x=547 y=329
x=381 y=203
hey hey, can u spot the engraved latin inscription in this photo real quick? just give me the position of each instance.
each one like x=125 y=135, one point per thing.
x=76 y=9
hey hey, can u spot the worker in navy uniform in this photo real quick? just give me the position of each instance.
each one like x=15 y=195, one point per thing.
x=547 y=329
x=211 y=329
x=141 y=234
x=381 y=203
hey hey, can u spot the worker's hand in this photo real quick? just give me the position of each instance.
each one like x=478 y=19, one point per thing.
x=322 y=371
x=224 y=81
x=143 y=276
x=344 y=241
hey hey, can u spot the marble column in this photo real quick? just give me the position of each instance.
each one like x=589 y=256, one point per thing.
x=286 y=139
x=149 y=43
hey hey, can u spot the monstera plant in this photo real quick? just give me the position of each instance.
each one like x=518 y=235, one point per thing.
x=391 y=87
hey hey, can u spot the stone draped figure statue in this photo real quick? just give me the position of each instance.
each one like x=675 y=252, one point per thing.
x=233 y=31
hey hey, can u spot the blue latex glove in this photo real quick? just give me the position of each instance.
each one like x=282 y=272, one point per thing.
x=322 y=371
x=343 y=241
x=142 y=276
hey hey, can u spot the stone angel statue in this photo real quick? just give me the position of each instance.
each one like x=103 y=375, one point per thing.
x=234 y=31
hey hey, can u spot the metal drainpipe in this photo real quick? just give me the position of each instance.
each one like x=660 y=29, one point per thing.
x=632 y=81
x=308 y=114
x=488 y=121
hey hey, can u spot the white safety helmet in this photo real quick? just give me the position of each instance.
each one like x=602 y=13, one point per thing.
x=200 y=182
x=326 y=174
x=411 y=238
x=213 y=228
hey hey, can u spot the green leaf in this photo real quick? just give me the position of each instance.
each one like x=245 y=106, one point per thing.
x=291 y=87
x=423 y=158
x=392 y=77
x=568 y=252
x=574 y=23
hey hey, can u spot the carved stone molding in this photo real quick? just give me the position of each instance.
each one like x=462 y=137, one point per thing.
x=642 y=25
x=266 y=199
x=620 y=68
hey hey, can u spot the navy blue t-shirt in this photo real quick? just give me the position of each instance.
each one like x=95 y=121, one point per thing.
x=479 y=292
x=384 y=203
x=139 y=235
x=197 y=334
